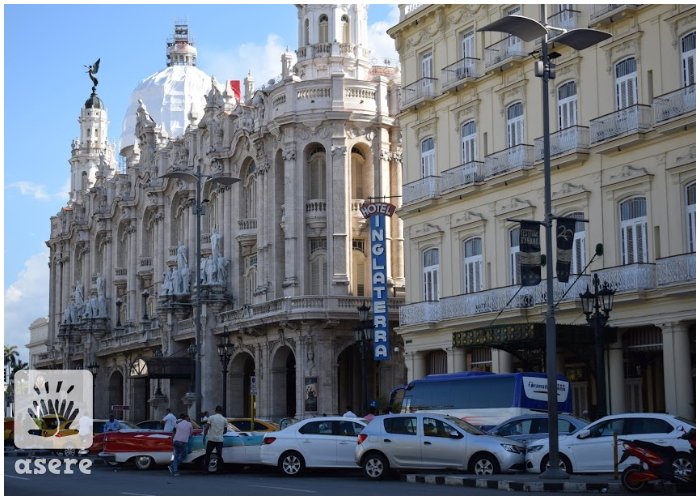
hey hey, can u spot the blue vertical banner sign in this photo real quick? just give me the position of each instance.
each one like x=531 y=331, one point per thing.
x=377 y=213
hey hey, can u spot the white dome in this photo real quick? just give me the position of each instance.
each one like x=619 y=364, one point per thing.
x=169 y=95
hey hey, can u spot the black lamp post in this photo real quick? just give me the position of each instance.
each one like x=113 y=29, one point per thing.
x=225 y=350
x=198 y=211
x=93 y=369
x=529 y=29
x=363 y=333
x=592 y=304
x=119 y=303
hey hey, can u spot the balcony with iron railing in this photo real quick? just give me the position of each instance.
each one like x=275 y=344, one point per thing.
x=418 y=91
x=570 y=140
x=308 y=307
x=423 y=189
x=504 y=51
x=466 y=174
x=635 y=119
x=520 y=157
x=634 y=278
x=608 y=13
x=466 y=69
x=674 y=104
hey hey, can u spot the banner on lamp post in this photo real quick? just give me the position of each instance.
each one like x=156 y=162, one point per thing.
x=377 y=212
x=566 y=227
x=530 y=253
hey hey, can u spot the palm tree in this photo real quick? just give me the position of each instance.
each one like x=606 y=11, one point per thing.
x=11 y=355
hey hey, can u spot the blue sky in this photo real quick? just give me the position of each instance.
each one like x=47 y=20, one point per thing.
x=45 y=85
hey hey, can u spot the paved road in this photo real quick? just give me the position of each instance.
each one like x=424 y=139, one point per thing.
x=259 y=481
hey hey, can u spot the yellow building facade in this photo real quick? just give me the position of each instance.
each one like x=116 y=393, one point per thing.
x=622 y=141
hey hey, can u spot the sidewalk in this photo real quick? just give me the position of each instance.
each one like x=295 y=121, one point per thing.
x=601 y=483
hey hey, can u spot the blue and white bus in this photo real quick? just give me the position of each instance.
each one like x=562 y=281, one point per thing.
x=482 y=398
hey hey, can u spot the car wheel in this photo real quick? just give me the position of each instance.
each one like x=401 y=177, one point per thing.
x=143 y=462
x=484 y=464
x=375 y=466
x=291 y=463
x=683 y=465
x=564 y=464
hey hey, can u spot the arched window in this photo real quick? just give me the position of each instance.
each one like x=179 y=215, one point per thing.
x=473 y=265
x=427 y=157
x=688 y=59
x=515 y=256
x=431 y=271
x=357 y=162
x=515 y=126
x=626 y=83
x=317 y=174
x=690 y=215
x=469 y=150
x=319 y=273
x=633 y=228
x=323 y=29
x=345 y=29
x=249 y=197
x=566 y=105
x=306 y=32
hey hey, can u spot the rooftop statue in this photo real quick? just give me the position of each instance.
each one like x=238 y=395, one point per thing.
x=92 y=71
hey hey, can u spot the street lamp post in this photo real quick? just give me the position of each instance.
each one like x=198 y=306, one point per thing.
x=192 y=351
x=363 y=333
x=93 y=369
x=225 y=349
x=198 y=211
x=592 y=303
x=529 y=29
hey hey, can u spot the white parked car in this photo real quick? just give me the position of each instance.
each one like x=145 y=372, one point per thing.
x=591 y=448
x=314 y=442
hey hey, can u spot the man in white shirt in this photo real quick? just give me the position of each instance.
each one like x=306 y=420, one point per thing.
x=169 y=421
x=349 y=413
x=183 y=431
x=214 y=434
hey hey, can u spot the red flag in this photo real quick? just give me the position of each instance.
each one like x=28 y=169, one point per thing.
x=236 y=88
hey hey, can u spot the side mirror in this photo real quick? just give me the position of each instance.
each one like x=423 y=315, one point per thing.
x=455 y=435
x=584 y=434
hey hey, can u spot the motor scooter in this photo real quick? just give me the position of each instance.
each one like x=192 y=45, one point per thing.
x=657 y=463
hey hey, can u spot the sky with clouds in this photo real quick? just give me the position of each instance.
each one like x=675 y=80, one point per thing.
x=45 y=85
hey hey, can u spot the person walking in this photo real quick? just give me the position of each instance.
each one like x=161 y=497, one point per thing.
x=349 y=412
x=169 y=421
x=111 y=425
x=214 y=434
x=181 y=437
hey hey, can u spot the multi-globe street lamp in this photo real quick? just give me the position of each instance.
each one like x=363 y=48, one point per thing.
x=529 y=29
x=592 y=304
x=225 y=350
x=198 y=211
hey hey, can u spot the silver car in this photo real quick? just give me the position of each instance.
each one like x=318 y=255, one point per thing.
x=527 y=428
x=433 y=441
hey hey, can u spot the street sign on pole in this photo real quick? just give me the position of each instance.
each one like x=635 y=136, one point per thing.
x=253 y=386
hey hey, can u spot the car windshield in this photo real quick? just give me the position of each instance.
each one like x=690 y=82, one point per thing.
x=464 y=425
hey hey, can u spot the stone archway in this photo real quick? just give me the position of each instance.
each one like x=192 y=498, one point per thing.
x=238 y=397
x=284 y=390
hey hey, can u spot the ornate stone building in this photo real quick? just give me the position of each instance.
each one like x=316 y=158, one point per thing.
x=285 y=251
x=623 y=142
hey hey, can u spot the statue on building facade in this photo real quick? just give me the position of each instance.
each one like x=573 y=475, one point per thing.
x=182 y=285
x=92 y=71
x=167 y=286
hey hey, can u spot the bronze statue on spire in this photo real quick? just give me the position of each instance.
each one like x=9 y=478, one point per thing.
x=92 y=71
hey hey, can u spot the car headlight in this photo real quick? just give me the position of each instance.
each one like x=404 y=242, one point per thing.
x=511 y=448
x=533 y=449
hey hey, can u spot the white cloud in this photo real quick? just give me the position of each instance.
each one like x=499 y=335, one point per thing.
x=38 y=191
x=381 y=44
x=26 y=300
x=263 y=61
